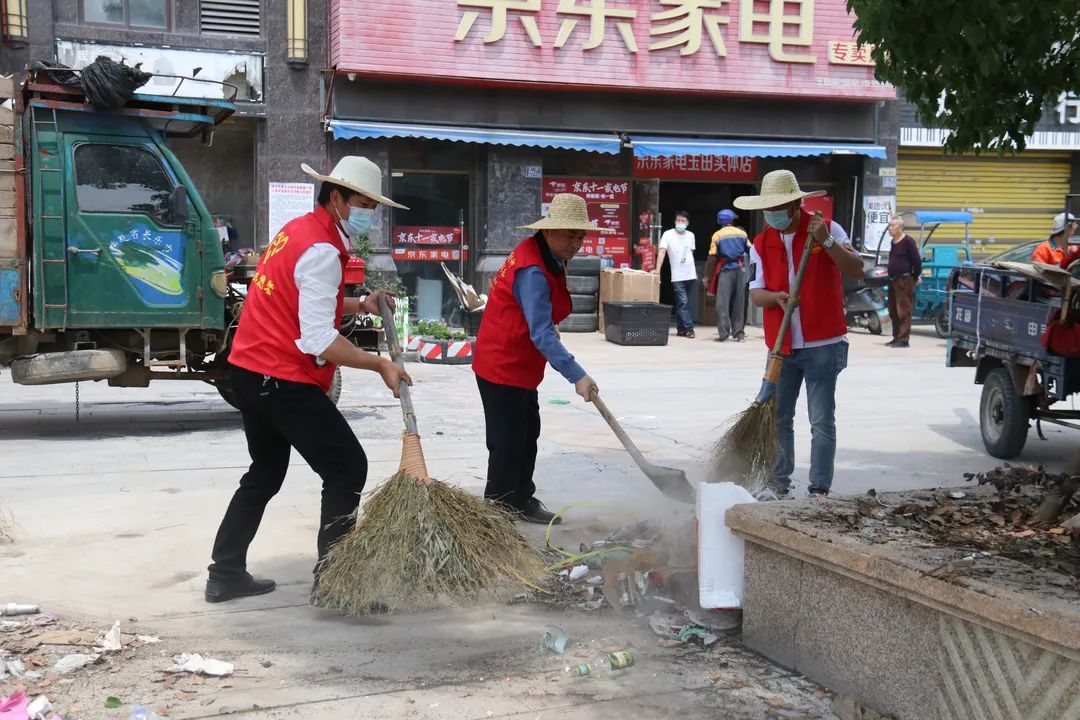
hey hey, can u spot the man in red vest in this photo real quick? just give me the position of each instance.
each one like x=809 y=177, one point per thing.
x=816 y=345
x=517 y=339
x=284 y=355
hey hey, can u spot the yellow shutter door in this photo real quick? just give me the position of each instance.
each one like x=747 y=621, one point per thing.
x=1014 y=199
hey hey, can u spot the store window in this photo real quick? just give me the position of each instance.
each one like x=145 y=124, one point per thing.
x=432 y=233
x=129 y=13
x=121 y=179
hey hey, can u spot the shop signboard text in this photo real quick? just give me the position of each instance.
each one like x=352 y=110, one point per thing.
x=608 y=202
x=712 y=168
x=426 y=243
x=746 y=47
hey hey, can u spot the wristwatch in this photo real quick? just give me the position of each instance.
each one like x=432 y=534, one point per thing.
x=829 y=242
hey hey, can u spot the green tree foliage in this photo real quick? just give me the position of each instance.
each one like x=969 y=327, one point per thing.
x=982 y=69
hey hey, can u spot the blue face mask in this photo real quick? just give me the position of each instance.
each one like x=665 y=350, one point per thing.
x=359 y=221
x=778 y=219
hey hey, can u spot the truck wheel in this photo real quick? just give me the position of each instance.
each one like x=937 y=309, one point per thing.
x=583 y=303
x=941 y=321
x=225 y=390
x=1003 y=415
x=583 y=284
x=874 y=324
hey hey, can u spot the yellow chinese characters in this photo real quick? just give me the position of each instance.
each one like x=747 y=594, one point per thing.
x=598 y=12
x=776 y=20
x=276 y=245
x=500 y=10
x=684 y=23
x=263 y=283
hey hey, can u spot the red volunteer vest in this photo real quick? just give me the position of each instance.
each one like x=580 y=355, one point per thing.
x=821 y=299
x=265 y=342
x=504 y=353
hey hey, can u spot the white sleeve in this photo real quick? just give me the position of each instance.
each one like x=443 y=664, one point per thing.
x=839 y=234
x=318 y=278
x=665 y=240
x=758 y=283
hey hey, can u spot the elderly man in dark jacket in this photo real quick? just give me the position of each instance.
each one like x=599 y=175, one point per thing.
x=905 y=272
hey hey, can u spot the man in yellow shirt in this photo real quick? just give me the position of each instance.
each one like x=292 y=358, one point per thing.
x=726 y=272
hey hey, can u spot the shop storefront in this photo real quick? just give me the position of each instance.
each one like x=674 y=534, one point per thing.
x=482 y=110
x=1012 y=197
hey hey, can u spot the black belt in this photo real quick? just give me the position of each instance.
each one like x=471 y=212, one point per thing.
x=901 y=277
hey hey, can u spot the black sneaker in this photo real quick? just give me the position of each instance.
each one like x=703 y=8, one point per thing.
x=898 y=344
x=244 y=586
x=536 y=512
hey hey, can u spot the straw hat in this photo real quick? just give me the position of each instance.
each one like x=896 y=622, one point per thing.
x=777 y=188
x=567 y=212
x=358 y=174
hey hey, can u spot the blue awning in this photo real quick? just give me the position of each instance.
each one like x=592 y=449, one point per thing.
x=929 y=217
x=590 y=142
x=657 y=146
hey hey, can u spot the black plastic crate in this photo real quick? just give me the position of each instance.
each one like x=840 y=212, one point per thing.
x=637 y=323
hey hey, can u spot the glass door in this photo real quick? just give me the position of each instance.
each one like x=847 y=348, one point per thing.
x=433 y=232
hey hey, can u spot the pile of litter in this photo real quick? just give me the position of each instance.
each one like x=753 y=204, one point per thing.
x=1030 y=518
x=44 y=660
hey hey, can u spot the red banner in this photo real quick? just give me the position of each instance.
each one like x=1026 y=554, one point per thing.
x=426 y=243
x=428 y=254
x=608 y=202
x=427 y=235
x=717 y=168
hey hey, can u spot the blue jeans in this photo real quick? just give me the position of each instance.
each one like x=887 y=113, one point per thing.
x=683 y=319
x=819 y=367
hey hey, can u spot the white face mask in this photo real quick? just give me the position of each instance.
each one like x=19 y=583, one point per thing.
x=680 y=226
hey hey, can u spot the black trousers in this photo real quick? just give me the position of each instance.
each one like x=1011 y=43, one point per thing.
x=512 y=420
x=278 y=416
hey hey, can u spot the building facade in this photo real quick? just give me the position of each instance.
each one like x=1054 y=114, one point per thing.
x=481 y=110
x=1012 y=197
x=273 y=52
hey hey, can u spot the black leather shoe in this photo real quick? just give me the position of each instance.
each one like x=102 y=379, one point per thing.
x=244 y=586
x=536 y=513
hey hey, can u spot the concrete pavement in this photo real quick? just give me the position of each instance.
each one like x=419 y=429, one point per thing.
x=115 y=516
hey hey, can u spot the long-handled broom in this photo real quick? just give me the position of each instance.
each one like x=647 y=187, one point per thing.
x=419 y=542
x=746 y=452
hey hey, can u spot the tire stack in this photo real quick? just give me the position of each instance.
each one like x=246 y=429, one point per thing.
x=583 y=281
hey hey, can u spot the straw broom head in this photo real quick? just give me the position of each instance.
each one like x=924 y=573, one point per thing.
x=420 y=543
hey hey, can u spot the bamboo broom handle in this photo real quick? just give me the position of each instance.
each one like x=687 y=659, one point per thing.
x=393 y=344
x=776 y=359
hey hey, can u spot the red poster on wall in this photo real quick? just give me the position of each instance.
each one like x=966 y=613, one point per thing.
x=713 y=168
x=426 y=243
x=608 y=202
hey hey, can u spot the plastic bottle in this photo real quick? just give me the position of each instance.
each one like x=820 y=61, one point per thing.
x=18 y=609
x=608 y=663
x=143 y=713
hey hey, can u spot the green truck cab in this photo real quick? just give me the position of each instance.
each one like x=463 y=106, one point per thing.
x=110 y=266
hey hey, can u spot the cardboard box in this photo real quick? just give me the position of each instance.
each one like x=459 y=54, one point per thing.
x=627 y=286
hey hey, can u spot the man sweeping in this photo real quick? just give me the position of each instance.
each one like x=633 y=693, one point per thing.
x=816 y=347
x=517 y=340
x=283 y=358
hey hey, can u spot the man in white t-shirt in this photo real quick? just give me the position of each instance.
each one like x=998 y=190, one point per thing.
x=816 y=346
x=677 y=245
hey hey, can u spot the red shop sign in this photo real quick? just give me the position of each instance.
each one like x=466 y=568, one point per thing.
x=429 y=254
x=427 y=235
x=717 y=168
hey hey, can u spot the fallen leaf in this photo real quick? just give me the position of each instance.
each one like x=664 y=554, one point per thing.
x=111 y=703
x=1024 y=534
x=162 y=710
x=208 y=701
x=1057 y=531
x=186 y=695
x=997 y=520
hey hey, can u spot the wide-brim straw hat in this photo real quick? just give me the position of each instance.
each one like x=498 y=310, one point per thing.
x=777 y=188
x=566 y=212
x=357 y=174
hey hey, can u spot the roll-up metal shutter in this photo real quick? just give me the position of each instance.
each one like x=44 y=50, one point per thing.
x=1013 y=198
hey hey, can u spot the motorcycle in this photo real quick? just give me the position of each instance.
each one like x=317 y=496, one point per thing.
x=865 y=299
